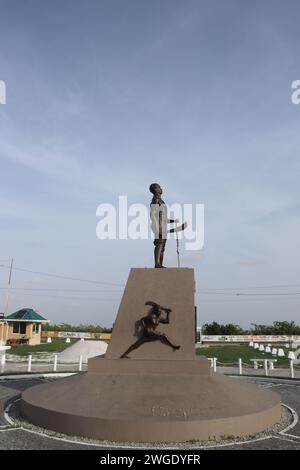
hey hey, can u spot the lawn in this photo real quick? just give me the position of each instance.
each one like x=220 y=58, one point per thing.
x=57 y=345
x=231 y=353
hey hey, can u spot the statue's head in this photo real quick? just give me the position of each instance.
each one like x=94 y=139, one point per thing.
x=155 y=188
x=156 y=308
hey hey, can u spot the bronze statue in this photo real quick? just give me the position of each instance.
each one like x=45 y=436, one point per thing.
x=145 y=329
x=159 y=219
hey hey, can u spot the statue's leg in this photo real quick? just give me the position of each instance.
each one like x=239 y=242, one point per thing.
x=159 y=252
x=156 y=253
x=165 y=340
x=134 y=346
x=162 y=251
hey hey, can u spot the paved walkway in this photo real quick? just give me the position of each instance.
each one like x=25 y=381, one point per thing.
x=69 y=366
x=41 y=367
x=19 y=438
x=277 y=372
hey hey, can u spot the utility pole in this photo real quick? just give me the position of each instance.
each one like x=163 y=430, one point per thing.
x=7 y=299
x=177 y=248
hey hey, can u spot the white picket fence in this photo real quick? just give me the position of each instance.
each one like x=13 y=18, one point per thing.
x=267 y=364
x=29 y=364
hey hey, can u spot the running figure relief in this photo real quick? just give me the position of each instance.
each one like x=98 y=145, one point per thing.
x=145 y=328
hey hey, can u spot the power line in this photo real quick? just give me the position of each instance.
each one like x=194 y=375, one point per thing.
x=58 y=289
x=62 y=297
x=206 y=291
x=58 y=276
x=252 y=294
x=102 y=291
x=271 y=293
x=44 y=289
x=277 y=286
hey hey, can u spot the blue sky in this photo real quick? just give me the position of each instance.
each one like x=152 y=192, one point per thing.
x=105 y=97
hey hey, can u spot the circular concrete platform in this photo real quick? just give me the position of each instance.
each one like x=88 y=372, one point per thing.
x=151 y=401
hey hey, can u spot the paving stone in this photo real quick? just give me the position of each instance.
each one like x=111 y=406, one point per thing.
x=22 y=439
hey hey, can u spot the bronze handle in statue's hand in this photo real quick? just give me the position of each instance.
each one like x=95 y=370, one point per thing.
x=179 y=228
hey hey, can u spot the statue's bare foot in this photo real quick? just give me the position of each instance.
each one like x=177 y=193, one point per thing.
x=159 y=266
x=124 y=356
x=175 y=348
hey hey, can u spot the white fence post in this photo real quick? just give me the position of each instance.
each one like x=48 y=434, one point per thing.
x=55 y=363
x=255 y=365
x=240 y=366
x=266 y=367
x=80 y=362
x=292 y=368
x=29 y=363
x=215 y=364
x=3 y=359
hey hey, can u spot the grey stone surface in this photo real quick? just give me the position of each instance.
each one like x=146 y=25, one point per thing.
x=267 y=444
x=41 y=367
x=19 y=439
x=151 y=401
x=22 y=439
x=276 y=372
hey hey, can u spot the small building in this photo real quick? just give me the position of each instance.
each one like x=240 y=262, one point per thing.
x=23 y=326
x=3 y=348
x=2 y=341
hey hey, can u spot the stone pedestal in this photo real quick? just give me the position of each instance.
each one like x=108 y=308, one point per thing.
x=158 y=395
x=171 y=288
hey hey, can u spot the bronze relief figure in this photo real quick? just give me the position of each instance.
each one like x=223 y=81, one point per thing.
x=145 y=328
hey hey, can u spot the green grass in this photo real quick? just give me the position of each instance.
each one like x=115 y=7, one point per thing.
x=230 y=353
x=57 y=345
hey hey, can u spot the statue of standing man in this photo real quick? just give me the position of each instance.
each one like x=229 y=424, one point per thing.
x=159 y=219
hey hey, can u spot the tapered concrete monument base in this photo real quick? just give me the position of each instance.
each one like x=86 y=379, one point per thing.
x=161 y=392
x=151 y=401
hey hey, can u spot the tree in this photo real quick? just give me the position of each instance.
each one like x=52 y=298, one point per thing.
x=215 y=328
x=211 y=329
x=278 y=328
x=78 y=328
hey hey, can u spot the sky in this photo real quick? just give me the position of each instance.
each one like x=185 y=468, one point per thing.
x=107 y=96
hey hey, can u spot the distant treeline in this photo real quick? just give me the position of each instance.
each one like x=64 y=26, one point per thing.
x=81 y=328
x=278 y=328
